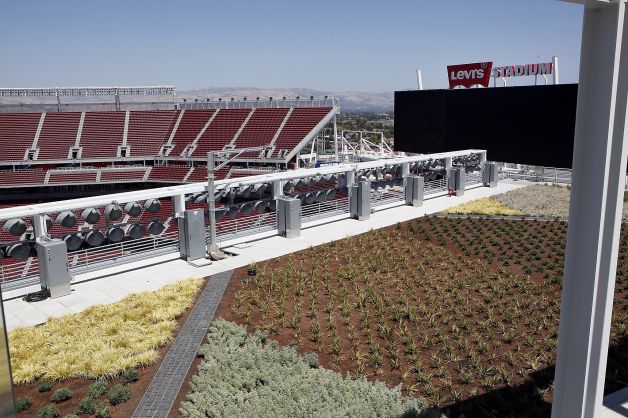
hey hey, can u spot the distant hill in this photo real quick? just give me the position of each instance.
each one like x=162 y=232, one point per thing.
x=350 y=101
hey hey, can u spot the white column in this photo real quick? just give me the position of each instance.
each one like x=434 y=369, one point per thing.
x=335 y=139
x=39 y=226
x=178 y=205
x=599 y=164
x=277 y=187
x=482 y=158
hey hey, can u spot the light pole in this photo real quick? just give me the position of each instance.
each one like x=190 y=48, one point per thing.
x=214 y=252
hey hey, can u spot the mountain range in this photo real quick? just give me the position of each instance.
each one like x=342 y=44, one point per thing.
x=350 y=101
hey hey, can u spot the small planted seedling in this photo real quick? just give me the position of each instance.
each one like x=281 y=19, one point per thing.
x=22 y=404
x=60 y=395
x=130 y=375
x=119 y=394
x=97 y=389
x=48 y=411
x=44 y=385
x=87 y=406
x=102 y=411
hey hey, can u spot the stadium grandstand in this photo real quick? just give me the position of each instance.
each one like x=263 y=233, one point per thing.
x=122 y=146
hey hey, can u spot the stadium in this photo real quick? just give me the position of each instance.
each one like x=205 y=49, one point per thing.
x=163 y=256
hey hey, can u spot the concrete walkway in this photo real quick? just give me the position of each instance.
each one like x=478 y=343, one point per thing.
x=112 y=284
x=162 y=391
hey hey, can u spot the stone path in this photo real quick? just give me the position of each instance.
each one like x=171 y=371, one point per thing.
x=163 y=390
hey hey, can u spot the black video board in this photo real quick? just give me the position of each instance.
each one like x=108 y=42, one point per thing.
x=529 y=125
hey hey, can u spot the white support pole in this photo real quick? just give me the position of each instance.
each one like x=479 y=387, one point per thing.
x=381 y=145
x=39 y=226
x=178 y=203
x=555 y=70
x=335 y=139
x=350 y=176
x=482 y=158
x=405 y=170
x=277 y=187
x=599 y=164
x=419 y=79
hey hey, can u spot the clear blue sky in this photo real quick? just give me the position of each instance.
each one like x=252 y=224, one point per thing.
x=327 y=45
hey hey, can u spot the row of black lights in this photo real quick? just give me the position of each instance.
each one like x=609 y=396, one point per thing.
x=469 y=162
x=258 y=99
x=261 y=188
x=92 y=237
x=388 y=177
x=261 y=206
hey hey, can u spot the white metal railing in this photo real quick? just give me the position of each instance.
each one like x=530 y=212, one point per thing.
x=538 y=174
x=435 y=186
x=473 y=179
x=15 y=274
x=326 y=209
x=386 y=196
x=98 y=257
x=245 y=225
x=200 y=187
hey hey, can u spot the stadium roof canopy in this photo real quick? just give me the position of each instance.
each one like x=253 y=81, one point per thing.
x=88 y=91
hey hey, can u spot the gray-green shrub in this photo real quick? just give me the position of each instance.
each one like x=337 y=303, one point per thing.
x=130 y=375
x=22 y=404
x=48 y=411
x=240 y=376
x=103 y=411
x=119 y=394
x=97 y=389
x=61 y=394
x=44 y=385
x=87 y=406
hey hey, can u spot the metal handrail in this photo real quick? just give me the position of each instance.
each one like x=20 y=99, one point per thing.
x=324 y=209
x=169 y=191
x=387 y=196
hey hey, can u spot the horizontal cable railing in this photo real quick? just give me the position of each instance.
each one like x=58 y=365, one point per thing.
x=90 y=259
x=473 y=178
x=18 y=274
x=537 y=174
x=386 y=196
x=435 y=186
x=325 y=209
x=245 y=225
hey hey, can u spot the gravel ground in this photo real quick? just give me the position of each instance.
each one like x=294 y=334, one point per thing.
x=541 y=200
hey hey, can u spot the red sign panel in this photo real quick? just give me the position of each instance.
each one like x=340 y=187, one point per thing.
x=468 y=75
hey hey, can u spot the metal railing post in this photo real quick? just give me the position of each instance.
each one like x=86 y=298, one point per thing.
x=289 y=217
x=414 y=190
x=360 y=200
x=490 y=175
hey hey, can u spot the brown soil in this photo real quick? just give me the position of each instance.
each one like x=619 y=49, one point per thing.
x=462 y=312
x=80 y=386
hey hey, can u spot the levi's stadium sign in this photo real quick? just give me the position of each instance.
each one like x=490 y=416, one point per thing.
x=523 y=70
x=468 y=75
x=480 y=73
